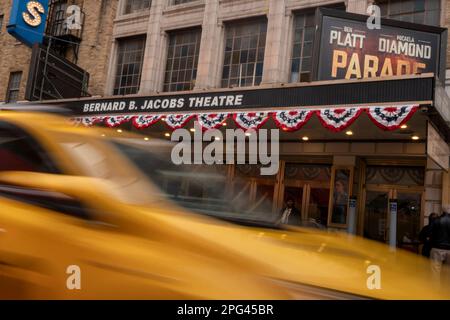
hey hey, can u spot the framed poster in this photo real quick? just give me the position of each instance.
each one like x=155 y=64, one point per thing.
x=342 y=181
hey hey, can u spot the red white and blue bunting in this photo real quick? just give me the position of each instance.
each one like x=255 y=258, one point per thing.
x=338 y=119
x=116 y=121
x=292 y=120
x=177 y=121
x=251 y=120
x=143 y=122
x=210 y=121
x=334 y=119
x=90 y=121
x=391 y=118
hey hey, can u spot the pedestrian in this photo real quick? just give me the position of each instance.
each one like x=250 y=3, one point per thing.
x=290 y=214
x=440 y=242
x=425 y=235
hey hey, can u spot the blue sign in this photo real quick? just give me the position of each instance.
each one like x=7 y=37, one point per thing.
x=27 y=21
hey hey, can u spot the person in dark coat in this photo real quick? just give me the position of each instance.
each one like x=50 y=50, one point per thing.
x=440 y=251
x=425 y=235
x=290 y=214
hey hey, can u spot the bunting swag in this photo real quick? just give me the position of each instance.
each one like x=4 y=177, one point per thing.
x=116 y=121
x=391 y=118
x=212 y=120
x=292 y=120
x=76 y=121
x=338 y=119
x=177 y=121
x=90 y=121
x=143 y=122
x=251 y=120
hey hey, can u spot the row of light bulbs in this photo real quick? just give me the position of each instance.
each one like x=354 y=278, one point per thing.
x=304 y=138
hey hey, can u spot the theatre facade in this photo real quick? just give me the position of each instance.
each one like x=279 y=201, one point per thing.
x=362 y=112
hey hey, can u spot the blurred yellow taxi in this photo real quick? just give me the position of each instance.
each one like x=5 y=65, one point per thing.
x=86 y=214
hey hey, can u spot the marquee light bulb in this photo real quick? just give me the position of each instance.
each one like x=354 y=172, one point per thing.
x=33 y=17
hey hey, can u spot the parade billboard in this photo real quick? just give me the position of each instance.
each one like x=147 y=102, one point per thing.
x=347 y=49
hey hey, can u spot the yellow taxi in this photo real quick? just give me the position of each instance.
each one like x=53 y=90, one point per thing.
x=86 y=214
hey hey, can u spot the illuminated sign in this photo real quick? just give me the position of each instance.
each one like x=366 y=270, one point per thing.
x=27 y=21
x=348 y=49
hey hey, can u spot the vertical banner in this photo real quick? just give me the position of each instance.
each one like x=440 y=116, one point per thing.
x=352 y=215
x=393 y=224
x=27 y=21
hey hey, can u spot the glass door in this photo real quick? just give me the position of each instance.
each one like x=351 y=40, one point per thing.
x=311 y=201
x=376 y=215
x=295 y=194
x=408 y=220
x=263 y=199
x=317 y=204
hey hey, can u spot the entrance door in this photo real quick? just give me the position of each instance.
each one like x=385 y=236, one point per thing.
x=408 y=220
x=296 y=194
x=263 y=198
x=376 y=216
x=309 y=186
x=317 y=203
x=311 y=199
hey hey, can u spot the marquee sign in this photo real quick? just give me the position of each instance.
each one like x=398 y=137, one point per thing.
x=27 y=21
x=347 y=49
x=418 y=89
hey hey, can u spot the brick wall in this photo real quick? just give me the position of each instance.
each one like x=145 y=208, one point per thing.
x=14 y=55
x=93 y=54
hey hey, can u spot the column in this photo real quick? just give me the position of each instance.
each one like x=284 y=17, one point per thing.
x=276 y=44
x=211 y=47
x=433 y=190
x=156 y=43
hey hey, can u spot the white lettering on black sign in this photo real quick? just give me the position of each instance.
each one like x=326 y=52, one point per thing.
x=162 y=104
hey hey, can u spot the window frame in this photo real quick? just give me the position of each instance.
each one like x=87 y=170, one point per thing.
x=10 y=89
x=411 y=13
x=117 y=69
x=295 y=16
x=233 y=23
x=124 y=4
x=2 y=20
x=172 y=57
x=173 y=2
x=341 y=6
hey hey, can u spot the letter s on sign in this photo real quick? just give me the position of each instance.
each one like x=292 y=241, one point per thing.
x=33 y=17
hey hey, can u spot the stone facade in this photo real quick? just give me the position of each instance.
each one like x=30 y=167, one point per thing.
x=211 y=16
x=93 y=54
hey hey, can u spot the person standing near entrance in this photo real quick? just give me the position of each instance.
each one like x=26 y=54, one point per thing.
x=440 y=242
x=425 y=235
x=290 y=214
